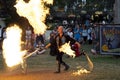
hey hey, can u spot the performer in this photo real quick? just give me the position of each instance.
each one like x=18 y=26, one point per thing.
x=61 y=39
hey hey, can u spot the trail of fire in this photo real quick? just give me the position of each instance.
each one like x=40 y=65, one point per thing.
x=35 y=11
x=83 y=70
x=12 y=46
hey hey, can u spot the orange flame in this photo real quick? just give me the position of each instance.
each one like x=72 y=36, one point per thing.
x=67 y=49
x=81 y=71
x=85 y=71
x=35 y=11
x=12 y=46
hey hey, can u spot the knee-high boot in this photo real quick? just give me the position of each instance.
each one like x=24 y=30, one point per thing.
x=66 y=66
x=58 y=68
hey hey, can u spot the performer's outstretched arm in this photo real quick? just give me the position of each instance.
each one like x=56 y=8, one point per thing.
x=48 y=45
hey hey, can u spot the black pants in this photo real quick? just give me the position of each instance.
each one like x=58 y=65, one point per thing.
x=60 y=61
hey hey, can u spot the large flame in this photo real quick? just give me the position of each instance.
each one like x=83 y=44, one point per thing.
x=35 y=11
x=12 y=46
x=66 y=48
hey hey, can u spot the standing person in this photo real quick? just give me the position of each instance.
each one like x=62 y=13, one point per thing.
x=33 y=40
x=40 y=40
x=90 y=35
x=84 y=33
x=61 y=39
x=4 y=33
x=0 y=32
x=77 y=34
x=54 y=31
x=70 y=33
x=3 y=36
x=28 y=37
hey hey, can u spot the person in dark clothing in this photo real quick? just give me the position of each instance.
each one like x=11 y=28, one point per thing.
x=53 y=49
x=40 y=39
x=60 y=40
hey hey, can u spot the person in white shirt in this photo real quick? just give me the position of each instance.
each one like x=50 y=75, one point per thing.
x=70 y=33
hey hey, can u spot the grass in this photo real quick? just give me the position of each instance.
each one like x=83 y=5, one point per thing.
x=106 y=67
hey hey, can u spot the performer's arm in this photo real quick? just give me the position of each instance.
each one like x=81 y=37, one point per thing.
x=48 y=45
x=77 y=44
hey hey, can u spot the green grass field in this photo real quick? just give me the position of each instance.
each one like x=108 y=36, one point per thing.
x=106 y=67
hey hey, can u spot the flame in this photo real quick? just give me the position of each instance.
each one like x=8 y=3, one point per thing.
x=66 y=48
x=85 y=71
x=12 y=46
x=81 y=71
x=35 y=11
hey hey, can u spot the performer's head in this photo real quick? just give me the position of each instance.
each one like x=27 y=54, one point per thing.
x=60 y=29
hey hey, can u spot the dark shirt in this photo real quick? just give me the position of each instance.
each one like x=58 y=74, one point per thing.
x=58 y=41
x=65 y=38
x=53 y=47
x=39 y=38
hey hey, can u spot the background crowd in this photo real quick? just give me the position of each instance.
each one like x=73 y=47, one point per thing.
x=84 y=33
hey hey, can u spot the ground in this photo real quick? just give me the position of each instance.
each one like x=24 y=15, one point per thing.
x=39 y=75
x=42 y=67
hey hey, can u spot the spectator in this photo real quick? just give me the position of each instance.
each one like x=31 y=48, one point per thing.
x=84 y=33
x=28 y=37
x=39 y=40
x=70 y=33
x=77 y=34
x=90 y=35
x=0 y=32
